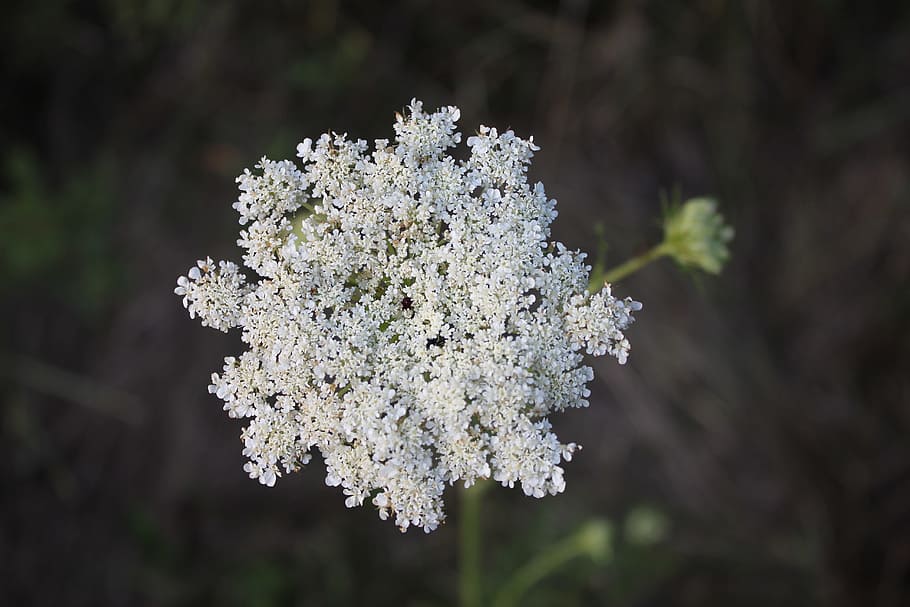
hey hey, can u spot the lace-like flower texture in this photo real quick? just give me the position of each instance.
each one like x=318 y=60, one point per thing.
x=409 y=318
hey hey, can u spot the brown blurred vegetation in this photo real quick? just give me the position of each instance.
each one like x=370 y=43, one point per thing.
x=764 y=413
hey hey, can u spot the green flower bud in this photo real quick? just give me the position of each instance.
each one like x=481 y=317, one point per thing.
x=595 y=538
x=645 y=526
x=696 y=236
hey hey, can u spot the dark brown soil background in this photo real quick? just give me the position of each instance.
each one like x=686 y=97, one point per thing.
x=765 y=414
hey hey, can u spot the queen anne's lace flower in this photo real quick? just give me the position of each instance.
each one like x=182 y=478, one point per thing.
x=409 y=318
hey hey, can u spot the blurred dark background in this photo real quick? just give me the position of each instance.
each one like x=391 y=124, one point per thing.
x=762 y=422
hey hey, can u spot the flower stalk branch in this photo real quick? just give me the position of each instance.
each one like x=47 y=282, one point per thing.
x=592 y=540
x=635 y=264
x=695 y=236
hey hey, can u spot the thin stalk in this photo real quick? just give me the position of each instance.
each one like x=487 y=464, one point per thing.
x=592 y=540
x=635 y=264
x=470 y=561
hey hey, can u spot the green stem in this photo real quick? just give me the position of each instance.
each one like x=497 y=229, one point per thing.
x=470 y=589
x=635 y=264
x=593 y=540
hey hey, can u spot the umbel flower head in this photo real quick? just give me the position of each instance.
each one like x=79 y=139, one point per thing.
x=696 y=236
x=407 y=316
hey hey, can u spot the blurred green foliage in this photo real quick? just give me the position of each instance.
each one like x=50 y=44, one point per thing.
x=58 y=239
x=143 y=20
x=333 y=67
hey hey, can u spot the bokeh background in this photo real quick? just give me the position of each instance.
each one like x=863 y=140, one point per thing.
x=760 y=433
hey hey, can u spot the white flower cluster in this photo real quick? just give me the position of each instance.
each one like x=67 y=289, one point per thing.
x=409 y=319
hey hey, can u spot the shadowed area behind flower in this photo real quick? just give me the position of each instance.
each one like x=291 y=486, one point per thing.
x=761 y=424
